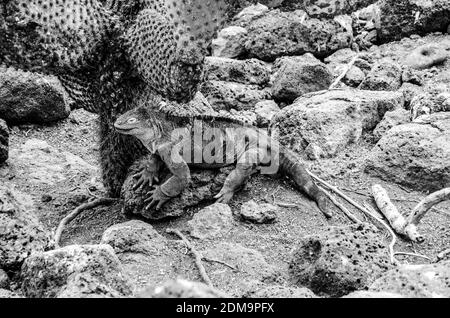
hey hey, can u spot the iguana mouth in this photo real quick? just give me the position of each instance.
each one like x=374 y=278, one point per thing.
x=123 y=130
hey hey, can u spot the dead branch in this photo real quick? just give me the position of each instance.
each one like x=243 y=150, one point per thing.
x=341 y=207
x=426 y=204
x=396 y=220
x=87 y=206
x=197 y=255
x=433 y=209
x=344 y=73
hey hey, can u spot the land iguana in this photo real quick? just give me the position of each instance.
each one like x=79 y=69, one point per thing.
x=211 y=142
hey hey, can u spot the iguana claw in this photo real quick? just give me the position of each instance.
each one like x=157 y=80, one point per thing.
x=145 y=177
x=224 y=197
x=158 y=199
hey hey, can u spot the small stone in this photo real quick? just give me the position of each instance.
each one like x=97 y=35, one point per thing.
x=265 y=110
x=258 y=213
x=314 y=152
x=4 y=279
x=230 y=42
x=211 y=222
x=384 y=76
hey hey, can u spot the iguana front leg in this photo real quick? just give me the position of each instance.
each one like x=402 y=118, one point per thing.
x=149 y=172
x=176 y=184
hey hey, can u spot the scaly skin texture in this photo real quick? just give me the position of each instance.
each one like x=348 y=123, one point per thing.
x=111 y=55
x=212 y=143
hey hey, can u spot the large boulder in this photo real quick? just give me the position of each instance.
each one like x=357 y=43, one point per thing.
x=391 y=119
x=21 y=233
x=31 y=98
x=414 y=281
x=341 y=260
x=73 y=272
x=251 y=71
x=45 y=164
x=248 y=266
x=298 y=75
x=148 y=258
x=329 y=121
x=224 y=95
x=401 y=18
x=276 y=34
x=203 y=186
x=416 y=154
x=4 y=141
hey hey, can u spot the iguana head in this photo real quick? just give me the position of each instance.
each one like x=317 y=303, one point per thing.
x=140 y=123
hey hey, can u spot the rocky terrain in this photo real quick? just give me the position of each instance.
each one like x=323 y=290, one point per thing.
x=385 y=120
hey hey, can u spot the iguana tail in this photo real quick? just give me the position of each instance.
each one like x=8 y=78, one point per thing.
x=290 y=165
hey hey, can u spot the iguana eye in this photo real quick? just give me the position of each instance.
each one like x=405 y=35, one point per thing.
x=132 y=120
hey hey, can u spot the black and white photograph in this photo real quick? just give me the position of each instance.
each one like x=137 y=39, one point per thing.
x=243 y=151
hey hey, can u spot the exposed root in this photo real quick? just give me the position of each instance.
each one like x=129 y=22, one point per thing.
x=197 y=255
x=86 y=206
x=396 y=220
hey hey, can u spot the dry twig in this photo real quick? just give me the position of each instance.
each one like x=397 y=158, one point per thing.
x=341 y=207
x=197 y=255
x=210 y=260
